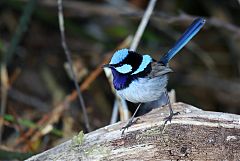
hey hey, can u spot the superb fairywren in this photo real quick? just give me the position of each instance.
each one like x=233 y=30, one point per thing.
x=141 y=79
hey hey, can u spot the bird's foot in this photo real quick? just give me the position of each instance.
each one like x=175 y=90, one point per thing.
x=129 y=123
x=169 y=118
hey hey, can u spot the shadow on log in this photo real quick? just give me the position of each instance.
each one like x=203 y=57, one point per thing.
x=193 y=134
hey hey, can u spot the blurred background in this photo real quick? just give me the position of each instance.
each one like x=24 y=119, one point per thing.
x=39 y=105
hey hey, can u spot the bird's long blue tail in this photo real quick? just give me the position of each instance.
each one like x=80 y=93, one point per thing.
x=191 y=31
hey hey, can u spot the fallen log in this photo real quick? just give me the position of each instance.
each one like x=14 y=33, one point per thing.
x=194 y=134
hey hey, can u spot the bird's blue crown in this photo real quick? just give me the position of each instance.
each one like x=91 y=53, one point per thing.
x=119 y=56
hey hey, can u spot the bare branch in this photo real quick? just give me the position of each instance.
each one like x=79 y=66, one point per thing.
x=28 y=100
x=143 y=25
x=4 y=92
x=68 y=55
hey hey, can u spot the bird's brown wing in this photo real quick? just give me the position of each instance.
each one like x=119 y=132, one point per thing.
x=158 y=69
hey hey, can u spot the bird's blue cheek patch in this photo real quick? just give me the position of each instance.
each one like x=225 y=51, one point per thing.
x=126 y=68
x=145 y=61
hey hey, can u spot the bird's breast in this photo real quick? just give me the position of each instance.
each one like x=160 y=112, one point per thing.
x=144 y=89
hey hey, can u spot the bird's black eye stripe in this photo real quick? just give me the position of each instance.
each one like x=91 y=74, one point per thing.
x=118 y=64
x=134 y=59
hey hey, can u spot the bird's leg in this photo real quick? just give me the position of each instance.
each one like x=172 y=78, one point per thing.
x=131 y=121
x=169 y=118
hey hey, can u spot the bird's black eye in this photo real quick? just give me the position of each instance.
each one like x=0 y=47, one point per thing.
x=120 y=64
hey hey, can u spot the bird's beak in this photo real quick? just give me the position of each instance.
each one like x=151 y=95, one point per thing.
x=107 y=66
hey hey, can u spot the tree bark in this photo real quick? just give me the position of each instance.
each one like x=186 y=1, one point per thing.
x=194 y=134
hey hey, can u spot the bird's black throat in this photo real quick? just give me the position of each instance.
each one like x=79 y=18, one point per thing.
x=121 y=81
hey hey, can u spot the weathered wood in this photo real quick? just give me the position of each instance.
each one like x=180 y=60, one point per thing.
x=193 y=134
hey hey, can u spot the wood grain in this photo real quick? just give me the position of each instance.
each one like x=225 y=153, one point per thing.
x=194 y=134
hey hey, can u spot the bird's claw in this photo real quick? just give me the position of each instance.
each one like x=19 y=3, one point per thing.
x=169 y=118
x=130 y=123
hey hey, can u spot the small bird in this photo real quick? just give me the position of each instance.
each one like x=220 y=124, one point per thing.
x=142 y=79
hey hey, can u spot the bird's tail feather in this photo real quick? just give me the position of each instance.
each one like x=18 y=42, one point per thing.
x=191 y=31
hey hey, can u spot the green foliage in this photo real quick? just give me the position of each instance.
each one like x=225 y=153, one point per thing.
x=30 y=124
x=7 y=155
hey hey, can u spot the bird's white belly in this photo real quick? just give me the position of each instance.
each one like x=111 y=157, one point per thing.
x=144 y=89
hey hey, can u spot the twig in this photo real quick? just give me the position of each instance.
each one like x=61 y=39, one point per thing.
x=4 y=91
x=172 y=96
x=68 y=55
x=21 y=28
x=122 y=104
x=183 y=17
x=210 y=22
x=143 y=25
x=24 y=137
x=83 y=8
x=114 y=112
x=28 y=100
